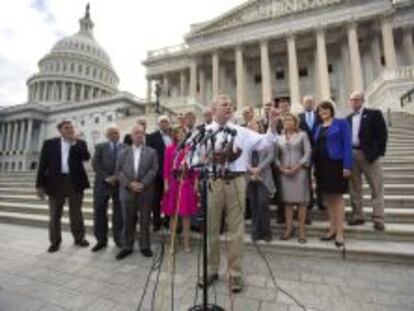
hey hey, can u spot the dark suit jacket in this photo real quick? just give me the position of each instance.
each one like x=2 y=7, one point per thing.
x=50 y=166
x=338 y=142
x=373 y=134
x=147 y=170
x=304 y=125
x=104 y=163
x=155 y=141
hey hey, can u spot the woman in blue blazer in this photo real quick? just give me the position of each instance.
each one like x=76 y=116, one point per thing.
x=333 y=164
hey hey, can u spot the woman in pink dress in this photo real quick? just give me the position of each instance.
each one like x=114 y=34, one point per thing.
x=180 y=184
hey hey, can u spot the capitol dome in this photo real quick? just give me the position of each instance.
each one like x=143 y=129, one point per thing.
x=76 y=69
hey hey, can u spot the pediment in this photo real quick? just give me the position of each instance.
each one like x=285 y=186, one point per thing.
x=259 y=10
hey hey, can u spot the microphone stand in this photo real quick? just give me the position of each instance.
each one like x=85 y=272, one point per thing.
x=204 y=177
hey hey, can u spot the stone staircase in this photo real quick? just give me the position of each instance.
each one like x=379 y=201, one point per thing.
x=19 y=205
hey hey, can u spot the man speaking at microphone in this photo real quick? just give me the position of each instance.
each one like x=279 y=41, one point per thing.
x=228 y=191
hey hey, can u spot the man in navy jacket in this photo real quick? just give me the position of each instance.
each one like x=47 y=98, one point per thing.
x=369 y=141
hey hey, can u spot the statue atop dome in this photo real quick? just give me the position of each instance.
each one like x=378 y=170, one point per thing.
x=86 y=24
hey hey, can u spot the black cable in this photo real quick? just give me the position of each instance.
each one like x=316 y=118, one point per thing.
x=198 y=273
x=156 y=264
x=277 y=286
x=161 y=261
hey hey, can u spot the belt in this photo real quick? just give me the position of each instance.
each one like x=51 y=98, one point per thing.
x=356 y=147
x=232 y=175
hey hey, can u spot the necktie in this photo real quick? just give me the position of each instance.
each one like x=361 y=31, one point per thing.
x=114 y=148
x=309 y=119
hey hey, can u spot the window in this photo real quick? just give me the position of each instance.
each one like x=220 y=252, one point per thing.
x=80 y=68
x=82 y=122
x=97 y=120
x=109 y=118
x=257 y=79
x=382 y=60
x=303 y=72
x=72 y=67
x=330 y=68
x=280 y=75
x=64 y=67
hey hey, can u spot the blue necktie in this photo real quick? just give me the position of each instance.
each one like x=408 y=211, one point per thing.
x=309 y=120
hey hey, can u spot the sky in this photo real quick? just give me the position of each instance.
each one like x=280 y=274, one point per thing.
x=126 y=29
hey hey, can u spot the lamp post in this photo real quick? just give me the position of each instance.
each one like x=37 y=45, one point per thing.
x=157 y=98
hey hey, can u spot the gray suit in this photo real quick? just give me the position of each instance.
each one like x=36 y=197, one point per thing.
x=259 y=193
x=134 y=202
x=104 y=164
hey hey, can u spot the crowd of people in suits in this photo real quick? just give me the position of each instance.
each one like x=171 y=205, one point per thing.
x=297 y=161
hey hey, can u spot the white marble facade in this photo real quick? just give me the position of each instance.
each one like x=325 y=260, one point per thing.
x=76 y=82
x=264 y=50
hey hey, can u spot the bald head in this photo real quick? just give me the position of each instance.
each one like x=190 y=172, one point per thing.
x=356 y=100
x=308 y=103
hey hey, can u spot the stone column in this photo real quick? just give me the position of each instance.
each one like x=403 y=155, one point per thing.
x=29 y=136
x=165 y=85
x=183 y=82
x=82 y=93
x=355 y=57
x=193 y=78
x=149 y=90
x=64 y=92
x=2 y=136
x=215 y=74
x=267 y=95
x=8 y=137
x=323 y=74
x=388 y=41
x=223 y=84
x=202 y=84
x=41 y=135
x=240 y=83
x=293 y=74
x=45 y=90
x=346 y=64
x=22 y=134
x=408 y=45
x=73 y=92
x=376 y=55
x=14 y=138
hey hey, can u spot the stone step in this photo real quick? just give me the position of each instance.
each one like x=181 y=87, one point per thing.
x=391 y=201
x=366 y=250
x=392 y=215
x=28 y=189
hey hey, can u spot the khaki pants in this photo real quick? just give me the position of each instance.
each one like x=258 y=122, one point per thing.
x=373 y=175
x=230 y=197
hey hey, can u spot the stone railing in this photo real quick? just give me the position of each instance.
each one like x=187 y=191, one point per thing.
x=400 y=73
x=171 y=50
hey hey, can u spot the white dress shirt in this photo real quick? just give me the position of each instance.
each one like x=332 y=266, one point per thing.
x=65 y=149
x=246 y=140
x=166 y=138
x=137 y=156
x=310 y=119
x=356 y=125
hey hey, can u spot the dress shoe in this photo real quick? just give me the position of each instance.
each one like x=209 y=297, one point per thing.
x=53 y=248
x=356 y=222
x=123 y=253
x=236 y=284
x=98 y=246
x=118 y=243
x=211 y=278
x=328 y=237
x=82 y=243
x=379 y=226
x=146 y=252
x=302 y=240
x=339 y=243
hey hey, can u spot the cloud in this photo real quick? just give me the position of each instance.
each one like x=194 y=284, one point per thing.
x=126 y=29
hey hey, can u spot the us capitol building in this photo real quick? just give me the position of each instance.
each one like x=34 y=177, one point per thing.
x=76 y=81
x=266 y=50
